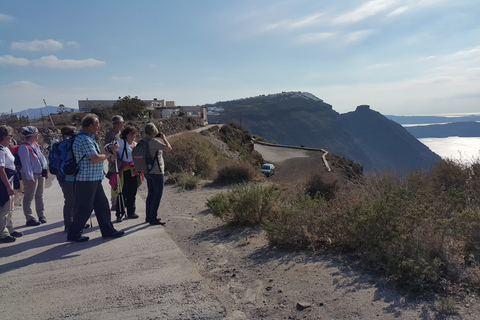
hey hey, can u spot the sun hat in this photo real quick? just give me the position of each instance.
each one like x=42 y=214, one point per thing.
x=29 y=131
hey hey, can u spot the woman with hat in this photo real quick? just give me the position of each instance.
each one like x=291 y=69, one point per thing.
x=33 y=171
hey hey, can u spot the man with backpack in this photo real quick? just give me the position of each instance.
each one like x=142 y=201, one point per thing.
x=65 y=182
x=89 y=193
x=34 y=172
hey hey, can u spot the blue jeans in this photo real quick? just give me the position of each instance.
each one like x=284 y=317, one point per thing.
x=155 y=192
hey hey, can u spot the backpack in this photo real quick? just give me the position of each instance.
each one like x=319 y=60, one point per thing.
x=54 y=160
x=69 y=165
x=14 y=151
x=142 y=161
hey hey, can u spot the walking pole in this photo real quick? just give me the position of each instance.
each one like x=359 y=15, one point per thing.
x=121 y=200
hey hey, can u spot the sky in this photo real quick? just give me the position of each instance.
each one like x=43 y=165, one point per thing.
x=401 y=57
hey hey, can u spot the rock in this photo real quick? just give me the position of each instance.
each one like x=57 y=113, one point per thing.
x=303 y=305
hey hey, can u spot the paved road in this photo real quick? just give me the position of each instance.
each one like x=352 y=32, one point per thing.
x=143 y=275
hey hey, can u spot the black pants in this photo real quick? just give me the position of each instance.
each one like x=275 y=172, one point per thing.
x=89 y=196
x=129 y=191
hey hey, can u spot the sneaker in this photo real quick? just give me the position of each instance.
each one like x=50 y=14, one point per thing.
x=157 y=223
x=79 y=239
x=7 y=239
x=133 y=216
x=42 y=220
x=32 y=223
x=116 y=234
x=16 y=234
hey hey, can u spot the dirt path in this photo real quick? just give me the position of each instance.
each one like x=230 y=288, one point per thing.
x=254 y=281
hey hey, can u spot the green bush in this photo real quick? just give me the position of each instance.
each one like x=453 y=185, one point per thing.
x=245 y=204
x=187 y=181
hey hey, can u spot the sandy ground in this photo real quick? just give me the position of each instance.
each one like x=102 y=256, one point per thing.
x=254 y=281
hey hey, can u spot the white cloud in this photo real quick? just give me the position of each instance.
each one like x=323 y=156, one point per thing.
x=12 y=61
x=398 y=11
x=54 y=62
x=37 y=45
x=50 y=62
x=367 y=10
x=358 y=35
x=315 y=37
x=5 y=18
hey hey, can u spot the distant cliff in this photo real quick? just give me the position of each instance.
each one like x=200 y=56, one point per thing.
x=296 y=118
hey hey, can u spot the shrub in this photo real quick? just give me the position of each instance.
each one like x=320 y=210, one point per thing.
x=192 y=153
x=187 y=181
x=245 y=204
x=321 y=186
x=235 y=172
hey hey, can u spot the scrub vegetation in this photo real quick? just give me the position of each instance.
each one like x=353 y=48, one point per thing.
x=421 y=229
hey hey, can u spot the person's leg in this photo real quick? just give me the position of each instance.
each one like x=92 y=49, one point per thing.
x=9 y=222
x=84 y=199
x=39 y=204
x=68 y=203
x=28 y=194
x=102 y=210
x=130 y=189
x=158 y=181
x=149 y=201
x=3 y=220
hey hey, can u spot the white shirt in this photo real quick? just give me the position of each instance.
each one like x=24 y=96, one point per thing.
x=7 y=159
x=120 y=152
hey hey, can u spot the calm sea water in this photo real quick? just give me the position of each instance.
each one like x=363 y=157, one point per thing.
x=456 y=148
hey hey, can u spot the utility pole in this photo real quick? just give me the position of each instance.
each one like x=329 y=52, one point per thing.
x=48 y=113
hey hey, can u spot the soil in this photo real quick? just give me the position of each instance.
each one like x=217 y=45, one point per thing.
x=255 y=281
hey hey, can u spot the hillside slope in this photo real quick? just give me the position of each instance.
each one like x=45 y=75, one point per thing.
x=301 y=119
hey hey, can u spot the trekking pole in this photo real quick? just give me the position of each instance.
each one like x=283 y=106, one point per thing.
x=121 y=201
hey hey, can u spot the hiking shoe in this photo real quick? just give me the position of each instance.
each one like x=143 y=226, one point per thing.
x=79 y=239
x=16 y=234
x=7 y=239
x=157 y=223
x=116 y=234
x=42 y=220
x=133 y=216
x=32 y=223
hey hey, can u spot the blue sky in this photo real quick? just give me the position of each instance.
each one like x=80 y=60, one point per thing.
x=401 y=57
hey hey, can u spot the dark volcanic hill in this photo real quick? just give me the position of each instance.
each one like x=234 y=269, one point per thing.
x=301 y=119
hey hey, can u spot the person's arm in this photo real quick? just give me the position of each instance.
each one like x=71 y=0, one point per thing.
x=4 y=178
x=168 y=147
x=24 y=154
x=98 y=158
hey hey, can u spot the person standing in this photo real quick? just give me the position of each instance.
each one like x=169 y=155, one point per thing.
x=66 y=183
x=157 y=143
x=130 y=180
x=111 y=136
x=89 y=193
x=34 y=172
x=7 y=171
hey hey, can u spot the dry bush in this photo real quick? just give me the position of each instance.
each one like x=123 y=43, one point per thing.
x=192 y=153
x=322 y=185
x=234 y=172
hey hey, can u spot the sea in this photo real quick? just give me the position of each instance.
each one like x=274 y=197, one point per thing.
x=463 y=149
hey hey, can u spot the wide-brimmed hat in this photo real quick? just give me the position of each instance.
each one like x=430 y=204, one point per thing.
x=29 y=131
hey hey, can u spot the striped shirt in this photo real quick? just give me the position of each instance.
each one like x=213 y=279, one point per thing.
x=85 y=146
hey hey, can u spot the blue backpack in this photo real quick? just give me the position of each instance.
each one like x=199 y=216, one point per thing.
x=69 y=165
x=54 y=160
